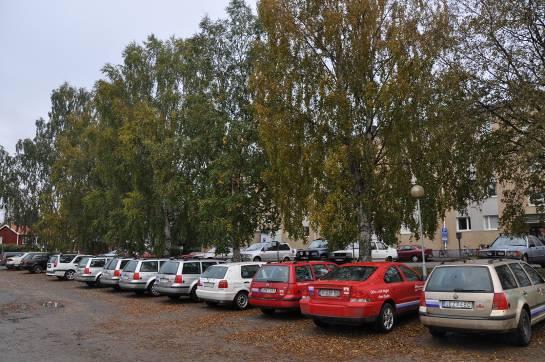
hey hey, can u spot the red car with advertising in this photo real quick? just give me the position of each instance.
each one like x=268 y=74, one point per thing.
x=281 y=285
x=356 y=293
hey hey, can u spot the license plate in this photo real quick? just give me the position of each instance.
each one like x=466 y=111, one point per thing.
x=329 y=293
x=268 y=290
x=339 y=259
x=456 y=304
x=208 y=285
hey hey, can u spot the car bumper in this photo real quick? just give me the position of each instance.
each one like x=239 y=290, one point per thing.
x=345 y=313
x=85 y=278
x=503 y=325
x=109 y=281
x=132 y=285
x=172 y=290
x=215 y=296
x=55 y=273
x=274 y=303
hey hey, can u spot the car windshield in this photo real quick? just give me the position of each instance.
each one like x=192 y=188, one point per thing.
x=273 y=273
x=215 y=272
x=317 y=244
x=467 y=279
x=169 y=268
x=131 y=266
x=83 y=262
x=255 y=247
x=352 y=246
x=354 y=273
x=112 y=264
x=507 y=241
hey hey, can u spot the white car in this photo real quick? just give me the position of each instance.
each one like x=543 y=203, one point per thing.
x=227 y=283
x=379 y=252
x=14 y=262
x=211 y=254
x=63 y=266
x=269 y=251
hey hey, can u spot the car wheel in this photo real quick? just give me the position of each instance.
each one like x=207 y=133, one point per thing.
x=525 y=258
x=523 y=333
x=69 y=275
x=257 y=258
x=97 y=283
x=210 y=303
x=287 y=258
x=37 y=269
x=386 y=319
x=414 y=259
x=389 y=258
x=267 y=311
x=153 y=290
x=241 y=300
x=437 y=333
x=193 y=294
x=320 y=323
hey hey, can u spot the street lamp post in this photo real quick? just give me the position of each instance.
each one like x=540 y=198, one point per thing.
x=417 y=192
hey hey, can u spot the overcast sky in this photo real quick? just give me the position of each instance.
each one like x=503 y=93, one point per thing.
x=46 y=43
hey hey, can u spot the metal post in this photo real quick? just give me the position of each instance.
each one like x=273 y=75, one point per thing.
x=421 y=235
x=459 y=237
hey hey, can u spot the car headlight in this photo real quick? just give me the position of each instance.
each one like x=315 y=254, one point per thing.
x=515 y=253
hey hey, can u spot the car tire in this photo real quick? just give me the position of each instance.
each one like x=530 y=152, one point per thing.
x=211 y=303
x=97 y=282
x=267 y=311
x=287 y=258
x=241 y=300
x=386 y=319
x=320 y=323
x=193 y=294
x=257 y=258
x=437 y=333
x=389 y=258
x=69 y=275
x=414 y=258
x=523 y=333
x=152 y=289
x=37 y=269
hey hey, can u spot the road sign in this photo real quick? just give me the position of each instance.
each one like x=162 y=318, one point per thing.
x=444 y=234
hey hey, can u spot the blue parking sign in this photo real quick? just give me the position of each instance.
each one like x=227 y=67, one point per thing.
x=444 y=234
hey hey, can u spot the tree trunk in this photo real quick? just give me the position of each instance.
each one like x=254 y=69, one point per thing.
x=168 y=235
x=364 y=228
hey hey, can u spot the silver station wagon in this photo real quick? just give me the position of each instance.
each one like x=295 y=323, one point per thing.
x=90 y=269
x=495 y=296
x=180 y=277
x=139 y=276
x=112 y=272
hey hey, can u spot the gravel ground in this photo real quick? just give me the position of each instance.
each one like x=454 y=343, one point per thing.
x=51 y=320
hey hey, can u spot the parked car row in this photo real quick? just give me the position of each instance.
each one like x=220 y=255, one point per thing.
x=475 y=296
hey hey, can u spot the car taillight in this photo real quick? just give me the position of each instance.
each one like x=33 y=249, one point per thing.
x=86 y=271
x=178 y=279
x=117 y=273
x=359 y=296
x=223 y=284
x=500 y=302
x=423 y=299
x=136 y=276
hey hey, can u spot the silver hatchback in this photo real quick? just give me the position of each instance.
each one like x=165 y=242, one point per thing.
x=112 y=272
x=495 y=296
x=180 y=277
x=139 y=276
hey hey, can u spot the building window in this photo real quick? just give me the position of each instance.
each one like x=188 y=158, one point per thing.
x=536 y=199
x=491 y=222
x=492 y=190
x=463 y=223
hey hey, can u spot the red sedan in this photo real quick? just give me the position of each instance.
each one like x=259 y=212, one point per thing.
x=412 y=253
x=281 y=285
x=359 y=293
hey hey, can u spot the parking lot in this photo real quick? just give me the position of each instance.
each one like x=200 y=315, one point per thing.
x=52 y=320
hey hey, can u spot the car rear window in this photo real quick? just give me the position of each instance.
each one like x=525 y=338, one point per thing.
x=273 y=273
x=123 y=263
x=303 y=273
x=97 y=263
x=507 y=279
x=520 y=275
x=354 y=273
x=215 y=272
x=83 y=261
x=320 y=270
x=149 y=267
x=169 y=268
x=131 y=266
x=248 y=271
x=191 y=268
x=112 y=264
x=66 y=258
x=468 y=279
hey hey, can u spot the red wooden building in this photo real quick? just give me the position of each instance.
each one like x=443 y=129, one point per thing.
x=13 y=235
